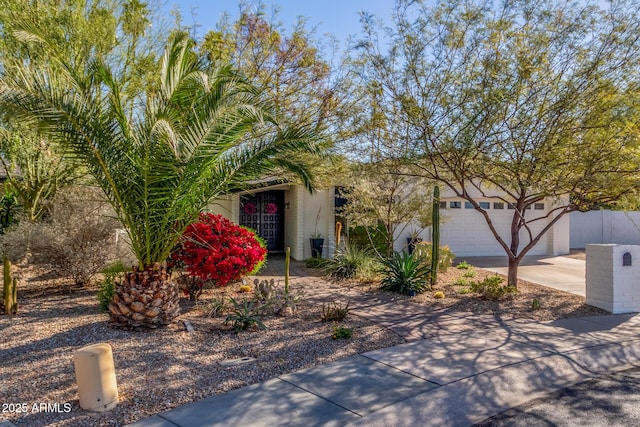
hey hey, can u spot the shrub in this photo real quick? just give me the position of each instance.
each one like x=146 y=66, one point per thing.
x=217 y=250
x=108 y=285
x=8 y=211
x=349 y=262
x=404 y=273
x=315 y=262
x=244 y=316
x=464 y=265
x=423 y=250
x=341 y=332
x=462 y=282
x=491 y=288
x=76 y=238
x=372 y=238
x=214 y=307
x=334 y=313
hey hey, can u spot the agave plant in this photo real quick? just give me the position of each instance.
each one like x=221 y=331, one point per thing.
x=404 y=273
x=159 y=160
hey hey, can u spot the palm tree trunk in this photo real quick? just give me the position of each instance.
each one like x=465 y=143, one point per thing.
x=145 y=298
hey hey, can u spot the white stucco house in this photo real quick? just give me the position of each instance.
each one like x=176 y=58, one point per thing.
x=467 y=234
x=286 y=214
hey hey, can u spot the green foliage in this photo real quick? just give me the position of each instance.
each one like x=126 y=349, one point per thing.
x=462 y=282
x=404 y=273
x=315 y=262
x=244 y=315
x=201 y=134
x=423 y=251
x=492 y=288
x=464 y=265
x=527 y=101
x=348 y=262
x=106 y=292
x=368 y=237
x=334 y=312
x=380 y=195
x=469 y=273
x=112 y=273
x=8 y=208
x=35 y=171
x=340 y=332
x=535 y=304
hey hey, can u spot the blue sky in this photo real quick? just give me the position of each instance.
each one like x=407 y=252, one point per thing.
x=338 y=17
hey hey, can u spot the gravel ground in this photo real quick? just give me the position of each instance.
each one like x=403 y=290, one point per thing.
x=159 y=370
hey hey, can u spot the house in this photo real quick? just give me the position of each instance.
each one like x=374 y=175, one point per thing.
x=286 y=214
x=467 y=234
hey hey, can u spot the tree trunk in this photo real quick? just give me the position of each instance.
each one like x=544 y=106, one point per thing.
x=512 y=274
x=145 y=299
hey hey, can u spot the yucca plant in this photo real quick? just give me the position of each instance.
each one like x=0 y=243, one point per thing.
x=404 y=273
x=159 y=160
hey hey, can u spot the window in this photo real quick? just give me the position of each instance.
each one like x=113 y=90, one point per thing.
x=626 y=260
x=468 y=205
x=455 y=205
x=538 y=206
x=485 y=205
x=511 y=206
x=498 y=205
x=443 y=205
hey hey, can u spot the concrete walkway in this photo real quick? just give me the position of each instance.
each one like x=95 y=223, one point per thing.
x=562 y=273
x=456 y=377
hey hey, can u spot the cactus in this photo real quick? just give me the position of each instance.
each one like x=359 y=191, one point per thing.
x=435 y=235
x=10 y=289
x=287 y=262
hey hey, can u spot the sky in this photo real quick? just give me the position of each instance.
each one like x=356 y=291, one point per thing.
x=337 y=17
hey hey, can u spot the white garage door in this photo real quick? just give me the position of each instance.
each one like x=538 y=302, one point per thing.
x=466 y=232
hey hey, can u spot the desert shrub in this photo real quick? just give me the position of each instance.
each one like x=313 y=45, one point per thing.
x=422 y=251
x=348 y=262
x=8 y=211
x=108 y=284
x=245 y=314
x=464 y=265
x=334 y=312
x=369 y=238
x=492 y=288
x=76 y=238
x=315 y=262
x=404 y=273
x=340 y=332
x=214 y=307
x=215 y=249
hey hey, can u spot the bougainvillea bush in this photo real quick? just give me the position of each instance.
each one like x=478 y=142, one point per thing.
x=217 y=250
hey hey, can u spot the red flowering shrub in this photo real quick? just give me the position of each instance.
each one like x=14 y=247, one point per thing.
x=218 y=250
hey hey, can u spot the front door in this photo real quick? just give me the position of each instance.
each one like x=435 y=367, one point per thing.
x=263 y=212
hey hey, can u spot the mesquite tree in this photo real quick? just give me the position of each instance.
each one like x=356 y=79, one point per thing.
x=534 y=101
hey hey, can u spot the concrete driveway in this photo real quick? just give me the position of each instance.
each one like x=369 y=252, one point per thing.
x=559 y=272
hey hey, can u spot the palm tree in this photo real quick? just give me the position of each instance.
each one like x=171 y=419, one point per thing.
x=197 y=136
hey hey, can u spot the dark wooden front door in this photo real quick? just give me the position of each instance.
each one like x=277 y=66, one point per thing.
x=263 y=212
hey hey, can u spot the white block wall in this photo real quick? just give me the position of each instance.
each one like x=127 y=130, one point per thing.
x=610 y=285
x=603 y=226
